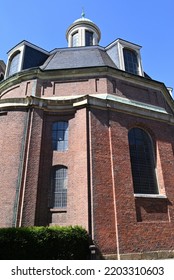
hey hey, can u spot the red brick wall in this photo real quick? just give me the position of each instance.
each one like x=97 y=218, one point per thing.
x=12 y=129
x=73 y=87
x=121 y=222
x=136 y=92
x=143 y=224
x=32 y=160
x=48 y=88
x=125 y=89
x=19 y=90
x=103 y=204
x=75 y=158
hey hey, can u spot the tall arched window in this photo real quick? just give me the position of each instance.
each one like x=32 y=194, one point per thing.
x=14 y=64
x=142 y=162
x=60 y=136
x=130 y=61
x=59 y=182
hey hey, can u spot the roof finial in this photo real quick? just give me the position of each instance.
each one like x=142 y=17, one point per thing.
x=83 y=13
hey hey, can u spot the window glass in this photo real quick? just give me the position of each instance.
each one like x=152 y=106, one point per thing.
x=88 y=38
x=142 y=162
x=60 y=136
x=14 y=64
x=130 y=61
x=59 y=187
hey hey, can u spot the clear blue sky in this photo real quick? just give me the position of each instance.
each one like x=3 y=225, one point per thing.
x=147 y=23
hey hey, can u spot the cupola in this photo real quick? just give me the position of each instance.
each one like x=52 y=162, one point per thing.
x=83 y=32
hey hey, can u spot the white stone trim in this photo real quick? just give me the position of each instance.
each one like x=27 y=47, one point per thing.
x=104 y=101
x=10 y=57
x=150 y=195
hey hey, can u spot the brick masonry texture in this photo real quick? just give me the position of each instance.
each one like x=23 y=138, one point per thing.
x=12 y=127
x=100 y=187
x=75 y=159
x=139 y=219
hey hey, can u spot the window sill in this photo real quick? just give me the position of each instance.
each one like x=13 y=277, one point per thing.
x=58 y=210
x=3 y=113
x=150 y=195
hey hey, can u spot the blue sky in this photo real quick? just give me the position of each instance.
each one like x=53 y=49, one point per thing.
x=147 y=23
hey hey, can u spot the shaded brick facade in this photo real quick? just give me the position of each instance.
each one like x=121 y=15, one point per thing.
x=101 y=105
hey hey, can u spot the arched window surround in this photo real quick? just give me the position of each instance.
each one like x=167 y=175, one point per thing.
x=14 y=63
x=143 y=161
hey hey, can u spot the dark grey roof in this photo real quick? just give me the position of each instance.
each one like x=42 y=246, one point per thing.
x=77 y=58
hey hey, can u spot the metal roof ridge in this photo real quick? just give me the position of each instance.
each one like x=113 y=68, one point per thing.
x=77 y=48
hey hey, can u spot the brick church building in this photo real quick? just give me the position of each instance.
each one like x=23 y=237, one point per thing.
x=87 y=138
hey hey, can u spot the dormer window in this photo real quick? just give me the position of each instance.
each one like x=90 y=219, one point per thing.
x=130 y=61
x=126 y=56
x=24 y=56
x=88 y=38
x=14 y=64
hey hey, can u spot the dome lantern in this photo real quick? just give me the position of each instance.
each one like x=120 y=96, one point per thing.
x=83 y=32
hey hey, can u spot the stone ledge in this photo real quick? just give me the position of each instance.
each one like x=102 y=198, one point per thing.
x=155 y=255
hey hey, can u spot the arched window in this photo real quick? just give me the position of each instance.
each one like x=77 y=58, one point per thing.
x=59 y=187
x=88 y=38
x=142 y=162
x=75 y=39
x=60 y=136
x=14 y=64
x=130 y=61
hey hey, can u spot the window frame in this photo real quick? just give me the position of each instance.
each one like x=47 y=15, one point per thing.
x=60 y=135
x=75 y=39
x=121 y=44
x=89 y=38
x=130 y=61
x=14 y=67
x=143 y=163
x=59 y=187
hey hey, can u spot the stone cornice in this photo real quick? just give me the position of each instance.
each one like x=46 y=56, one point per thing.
x=91 y=72
x=101 y=101
x=38 y=73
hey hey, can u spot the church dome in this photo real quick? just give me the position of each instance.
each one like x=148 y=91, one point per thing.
x=82 y=18
x=83 y=32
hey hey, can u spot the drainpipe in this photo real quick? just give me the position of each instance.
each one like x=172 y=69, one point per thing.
x=22 y=173
x=89 y=175
x=26 y=158
x=114 y=192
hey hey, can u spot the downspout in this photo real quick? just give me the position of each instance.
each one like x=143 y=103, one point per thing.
x=21 y=183
x=114 y=192
x=89 y=175
x=26 y=158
